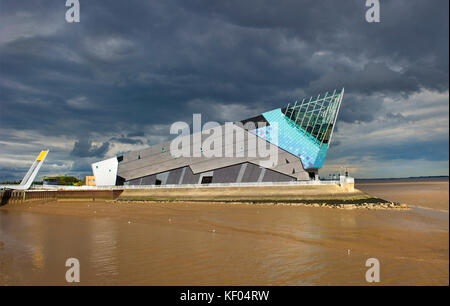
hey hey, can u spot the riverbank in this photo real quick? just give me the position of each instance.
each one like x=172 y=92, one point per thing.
x=331 y=196
x=351 y=203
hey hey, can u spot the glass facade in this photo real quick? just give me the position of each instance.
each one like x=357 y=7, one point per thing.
x=305 y=128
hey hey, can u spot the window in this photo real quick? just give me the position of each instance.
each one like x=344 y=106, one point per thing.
x=316 y=116
x=312 y=175
x=158 y=182
x=207 y=180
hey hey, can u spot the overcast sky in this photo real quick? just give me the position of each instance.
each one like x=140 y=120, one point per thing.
x=116 y=81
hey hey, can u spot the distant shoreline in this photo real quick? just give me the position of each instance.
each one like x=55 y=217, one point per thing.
x=404 y=179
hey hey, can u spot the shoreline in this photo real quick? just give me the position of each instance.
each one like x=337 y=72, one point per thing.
x=362 y=203
x=83 y=207
x=402 y=183
x=325 y=196
x=310 y=194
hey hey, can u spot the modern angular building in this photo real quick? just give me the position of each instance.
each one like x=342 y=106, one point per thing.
x=297 y=138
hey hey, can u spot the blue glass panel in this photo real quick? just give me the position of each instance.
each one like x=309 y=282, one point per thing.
x=292 y=139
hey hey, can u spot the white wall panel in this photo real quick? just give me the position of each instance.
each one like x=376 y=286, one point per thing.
x=105 y=172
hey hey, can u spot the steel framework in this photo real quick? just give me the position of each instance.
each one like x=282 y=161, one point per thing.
x=317 y=116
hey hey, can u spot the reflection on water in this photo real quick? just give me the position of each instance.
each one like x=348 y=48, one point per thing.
x=213 y=244
x=38 y=259
x=103 y=248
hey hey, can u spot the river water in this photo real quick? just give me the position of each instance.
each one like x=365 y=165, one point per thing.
x=228 y=244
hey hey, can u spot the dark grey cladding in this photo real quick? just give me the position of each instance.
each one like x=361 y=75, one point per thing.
x=272 y=176
x=241 y=173
x=174 y=176
x=252 y=173
x=146 y=180
x=190 y=177
x=227 y=174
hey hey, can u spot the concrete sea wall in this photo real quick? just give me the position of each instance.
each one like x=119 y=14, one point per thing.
x=17 y=197
x=250 y=193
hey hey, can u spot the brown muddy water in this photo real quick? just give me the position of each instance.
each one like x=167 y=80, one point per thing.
x=228 y=244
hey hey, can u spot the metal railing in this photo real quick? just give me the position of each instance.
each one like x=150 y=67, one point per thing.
x=213 y=185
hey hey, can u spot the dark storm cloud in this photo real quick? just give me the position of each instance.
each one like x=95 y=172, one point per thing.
x=127 y=140
x=359 y=108
x=372 y=78
x=136 y=134
x=85 y=148
x=157 y=56
x=412 y=32
x=80 y=166
x=131 y=65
